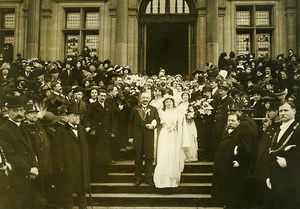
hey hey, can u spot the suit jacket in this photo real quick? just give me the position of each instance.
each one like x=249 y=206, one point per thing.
x=19 y=151
x=138 y=131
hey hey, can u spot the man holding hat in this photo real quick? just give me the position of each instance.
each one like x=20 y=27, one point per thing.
x=20 y=154
x=71 y=150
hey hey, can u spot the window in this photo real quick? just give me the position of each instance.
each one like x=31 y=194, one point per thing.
x=167 y=6
x=7 y=33
x=254 y=30
x=81 y=29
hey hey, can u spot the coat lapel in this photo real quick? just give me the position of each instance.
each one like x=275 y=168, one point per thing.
x=17 y=131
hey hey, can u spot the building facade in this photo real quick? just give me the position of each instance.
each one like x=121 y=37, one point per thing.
x=177 y=35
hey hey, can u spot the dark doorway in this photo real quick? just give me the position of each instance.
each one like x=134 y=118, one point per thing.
x=167 y=47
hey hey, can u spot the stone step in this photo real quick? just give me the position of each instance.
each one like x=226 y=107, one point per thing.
x=184 y=188
x=152 y=200
x=130 y=178
x=107 y=207
x=127 y=166
x=117 y=190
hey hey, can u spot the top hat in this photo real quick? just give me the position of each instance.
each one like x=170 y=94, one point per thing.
x=15 y=102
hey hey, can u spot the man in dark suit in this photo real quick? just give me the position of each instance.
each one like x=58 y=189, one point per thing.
x=99 y=123
x=72 y=157
x=143 y=120
x=20 y=154
x=284 y=160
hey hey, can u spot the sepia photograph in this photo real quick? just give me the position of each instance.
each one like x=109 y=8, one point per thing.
x=149 y=104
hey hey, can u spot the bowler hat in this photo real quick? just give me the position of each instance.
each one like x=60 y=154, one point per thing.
x=15 y=102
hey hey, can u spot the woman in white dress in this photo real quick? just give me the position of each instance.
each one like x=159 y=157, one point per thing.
x=187 y=129
x=170 y=156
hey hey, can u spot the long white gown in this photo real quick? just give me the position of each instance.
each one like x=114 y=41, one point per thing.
x=188 y=131
x=170 y=156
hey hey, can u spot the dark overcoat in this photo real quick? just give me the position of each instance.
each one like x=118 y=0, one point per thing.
x=100 y=119
x=72 y=156
x=21 y=156
x=230 y=183
x=143 y=137
x=41 y=146
x=220 y=119
x=285 y=181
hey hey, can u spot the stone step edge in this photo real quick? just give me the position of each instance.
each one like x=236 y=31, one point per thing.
x=132 y=184
x=116 y=207
x=131 y=162
x=183 y=174
x=139 y=195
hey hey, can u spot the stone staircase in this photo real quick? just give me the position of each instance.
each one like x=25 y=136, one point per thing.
x=117 y=190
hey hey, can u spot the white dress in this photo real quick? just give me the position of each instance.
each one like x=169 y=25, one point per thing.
x=170 y=157
x=188 y=131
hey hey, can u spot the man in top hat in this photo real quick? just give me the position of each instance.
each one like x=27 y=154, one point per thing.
x=72 y=165
x=20 y=154
x=41 y=145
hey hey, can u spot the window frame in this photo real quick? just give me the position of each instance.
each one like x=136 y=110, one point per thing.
x=82 y=31
x=255 y=29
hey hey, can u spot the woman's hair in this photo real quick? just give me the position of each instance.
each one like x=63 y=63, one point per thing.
x=164 y=102
x=185 y=92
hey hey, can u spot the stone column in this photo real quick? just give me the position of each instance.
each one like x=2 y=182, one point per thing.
x=33 y=29
x=121 y=32
x=212 y=22
x=298 y=27
x=291 y=24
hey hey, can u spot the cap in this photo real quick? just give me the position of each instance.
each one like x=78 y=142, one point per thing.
x=31 y=108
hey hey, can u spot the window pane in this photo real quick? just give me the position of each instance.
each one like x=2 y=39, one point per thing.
x=9 y=39
x=92 y=20
x=243 y=18
x=73 y=20
x=243 y=42
x=72 y=44
x=263 y=44
x=92 y=42
x=9 y=20
x=262 y=18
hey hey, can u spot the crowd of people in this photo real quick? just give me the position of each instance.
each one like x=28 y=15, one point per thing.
x=63 y=123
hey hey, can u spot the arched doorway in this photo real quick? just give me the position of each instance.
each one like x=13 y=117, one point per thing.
x=166 y=36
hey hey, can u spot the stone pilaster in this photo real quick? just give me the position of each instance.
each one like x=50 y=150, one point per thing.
x=33 y=29
x=291 y=6
x=212 y=39
x=122 y=32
